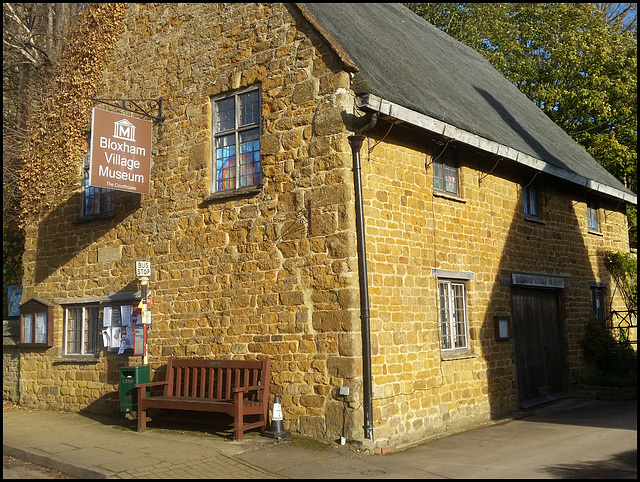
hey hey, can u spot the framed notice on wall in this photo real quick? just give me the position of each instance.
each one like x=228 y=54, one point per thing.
x=139 y=339
x=502 y=326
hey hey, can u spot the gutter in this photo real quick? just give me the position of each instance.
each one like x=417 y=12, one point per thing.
x=372 y=103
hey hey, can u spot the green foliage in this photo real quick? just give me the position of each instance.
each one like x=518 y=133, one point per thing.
x=624 y=270
x=614 y=362
x=574 y=60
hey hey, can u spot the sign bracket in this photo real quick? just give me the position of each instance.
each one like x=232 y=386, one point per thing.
x=144 y=107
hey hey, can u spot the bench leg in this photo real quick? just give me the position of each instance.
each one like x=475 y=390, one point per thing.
x=264 y=416
x=238 y=417
x=142 y=418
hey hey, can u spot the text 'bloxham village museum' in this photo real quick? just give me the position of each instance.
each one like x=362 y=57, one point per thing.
x=342 y=189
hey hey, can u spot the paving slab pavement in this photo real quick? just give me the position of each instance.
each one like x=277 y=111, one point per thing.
x=574 y=438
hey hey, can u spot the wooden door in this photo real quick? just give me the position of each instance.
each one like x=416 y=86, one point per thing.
x=537 y=330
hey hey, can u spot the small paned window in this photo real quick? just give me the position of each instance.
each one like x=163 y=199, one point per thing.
x=82 y=330
x=530 y=201
x=598 y=305
x=36 y=323
x=453 y=315
x=446 y=176
x=592 y=217
x=95 y=200
x=236 y=126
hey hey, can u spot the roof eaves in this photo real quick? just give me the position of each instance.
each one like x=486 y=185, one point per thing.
x=373 y=103
x=346 y=59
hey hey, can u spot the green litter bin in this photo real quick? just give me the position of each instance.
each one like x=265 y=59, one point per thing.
x=130 y=376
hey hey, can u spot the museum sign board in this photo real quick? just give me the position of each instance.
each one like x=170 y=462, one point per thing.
x=120 y=152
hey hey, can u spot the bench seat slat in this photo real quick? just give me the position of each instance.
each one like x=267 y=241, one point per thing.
x=195 y=401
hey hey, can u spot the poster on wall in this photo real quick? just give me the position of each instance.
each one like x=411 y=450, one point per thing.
x=126 y=339
x=14 y=298
x=140 y=339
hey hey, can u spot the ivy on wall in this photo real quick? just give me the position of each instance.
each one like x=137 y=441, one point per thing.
x=56 y=141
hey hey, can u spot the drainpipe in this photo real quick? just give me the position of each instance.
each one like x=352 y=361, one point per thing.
x=356 y=143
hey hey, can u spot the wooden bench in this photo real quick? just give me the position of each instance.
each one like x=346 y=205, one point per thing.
x=235 y=387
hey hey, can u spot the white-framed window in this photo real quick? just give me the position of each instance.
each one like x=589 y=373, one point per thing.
x=82 y=330
x=446 y=175
x=592 y=216
x=95 y=200
x=530 y=201
x=454 y=325
x=236 y=147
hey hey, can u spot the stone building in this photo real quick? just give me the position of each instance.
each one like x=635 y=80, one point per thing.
x=469 y=286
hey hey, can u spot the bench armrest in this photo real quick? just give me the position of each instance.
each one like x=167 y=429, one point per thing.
x=150 y=384
x=144 y=390
x=248 y=389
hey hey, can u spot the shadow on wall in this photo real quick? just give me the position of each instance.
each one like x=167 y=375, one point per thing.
x=63 y=236
x=546 y=314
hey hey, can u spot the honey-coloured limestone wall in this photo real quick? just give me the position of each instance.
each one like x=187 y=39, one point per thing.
x=413 y=230
x=268 y=274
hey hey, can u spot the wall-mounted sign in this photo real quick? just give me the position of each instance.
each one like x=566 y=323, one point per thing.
x=539 y=281
x=120 y=152
x=143 y=269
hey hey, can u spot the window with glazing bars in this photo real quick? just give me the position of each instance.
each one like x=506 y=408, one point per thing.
x=445 y=175
x=95 y=200
x=82 y=330
x=453 y=315
x=530 y=201
x=236 y=126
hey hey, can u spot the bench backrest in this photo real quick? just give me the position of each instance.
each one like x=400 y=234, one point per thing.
x=215 y=379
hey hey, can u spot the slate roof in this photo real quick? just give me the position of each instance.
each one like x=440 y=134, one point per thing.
x=402 y=58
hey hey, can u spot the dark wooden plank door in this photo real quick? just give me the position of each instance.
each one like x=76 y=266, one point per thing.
x=537 y=329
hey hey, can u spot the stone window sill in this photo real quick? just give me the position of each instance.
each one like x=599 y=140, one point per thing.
x=446 y=195
x=234 y=193
x=457 y=354
x=533 y=219
x=77 y=359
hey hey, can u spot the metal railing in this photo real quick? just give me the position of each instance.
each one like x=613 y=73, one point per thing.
x=624 y=326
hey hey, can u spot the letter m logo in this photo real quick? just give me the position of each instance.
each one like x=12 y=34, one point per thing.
x=123 y=129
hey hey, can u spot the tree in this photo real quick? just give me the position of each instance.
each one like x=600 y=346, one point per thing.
x=53 y=57
x=34 y=35
x=577 y=62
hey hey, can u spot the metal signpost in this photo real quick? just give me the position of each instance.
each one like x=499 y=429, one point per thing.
x=143 y=271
